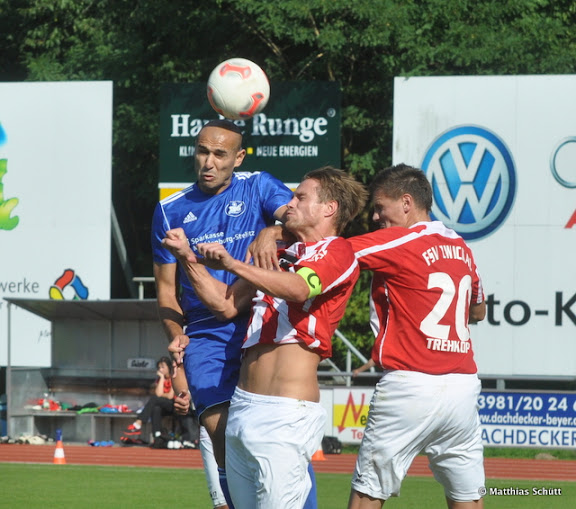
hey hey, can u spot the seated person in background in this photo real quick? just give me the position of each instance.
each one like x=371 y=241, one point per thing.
x=160 y=404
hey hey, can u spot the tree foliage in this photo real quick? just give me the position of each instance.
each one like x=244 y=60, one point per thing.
x=362 y=44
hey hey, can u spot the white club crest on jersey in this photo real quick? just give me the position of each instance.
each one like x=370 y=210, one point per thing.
x=235 y=208
x=189 y=218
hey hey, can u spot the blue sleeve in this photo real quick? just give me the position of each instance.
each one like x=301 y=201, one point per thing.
x=274 y=193
x=159 y=228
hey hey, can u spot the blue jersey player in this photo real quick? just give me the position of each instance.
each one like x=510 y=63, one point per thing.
x=222 y=206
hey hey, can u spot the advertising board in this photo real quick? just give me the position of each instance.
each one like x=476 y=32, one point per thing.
x=500 y=153
x=528 y=419
x=507 y=418
x=55 y=203
x=298 y=131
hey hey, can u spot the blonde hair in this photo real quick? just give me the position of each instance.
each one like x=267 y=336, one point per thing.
x=344 y=189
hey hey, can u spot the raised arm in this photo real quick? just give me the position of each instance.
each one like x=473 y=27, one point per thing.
x=263 y=249
x=284 y=285
x=224 y=301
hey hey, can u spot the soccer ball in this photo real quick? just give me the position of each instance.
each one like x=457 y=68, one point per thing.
x=238 y=89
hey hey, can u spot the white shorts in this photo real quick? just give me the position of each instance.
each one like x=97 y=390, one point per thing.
x=413 y=412
x=269 y=444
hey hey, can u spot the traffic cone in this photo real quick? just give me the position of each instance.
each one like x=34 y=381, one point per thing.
x=59 y=458
x=319 y=455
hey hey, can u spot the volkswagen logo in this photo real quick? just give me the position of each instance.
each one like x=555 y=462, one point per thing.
x=473 y=180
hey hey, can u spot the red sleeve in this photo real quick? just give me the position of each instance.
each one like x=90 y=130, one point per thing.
x=332 y=264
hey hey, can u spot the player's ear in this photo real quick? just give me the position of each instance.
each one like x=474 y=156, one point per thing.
x=331 y=207
x=407 y=202
x=240 y=157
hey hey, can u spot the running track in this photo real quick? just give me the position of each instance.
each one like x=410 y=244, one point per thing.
x=496 y=468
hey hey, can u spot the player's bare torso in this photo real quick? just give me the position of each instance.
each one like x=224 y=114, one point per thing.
x=287 y=370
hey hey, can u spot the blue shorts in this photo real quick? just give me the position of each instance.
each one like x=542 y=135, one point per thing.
x=212 y=360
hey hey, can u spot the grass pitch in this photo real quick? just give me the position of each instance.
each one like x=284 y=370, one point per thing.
x=31 y=486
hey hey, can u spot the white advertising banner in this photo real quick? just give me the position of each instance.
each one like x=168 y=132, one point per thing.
x=500 y=153
x=528 y=419
x=55 y=199
x=507 y=418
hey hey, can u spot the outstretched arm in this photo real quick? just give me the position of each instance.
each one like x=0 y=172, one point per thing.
x=284 y=285
x=224 y=301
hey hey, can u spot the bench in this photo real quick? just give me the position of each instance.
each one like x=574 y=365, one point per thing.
x=86 y=427
x=77 y=388
x=93 y=346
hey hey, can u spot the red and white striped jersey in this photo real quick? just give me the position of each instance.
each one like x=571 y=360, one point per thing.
x=424 y=280
x=314 y=321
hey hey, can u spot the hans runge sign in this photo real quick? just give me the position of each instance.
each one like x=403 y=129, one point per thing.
x=298 y=131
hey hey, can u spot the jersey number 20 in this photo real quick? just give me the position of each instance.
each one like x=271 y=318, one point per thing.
x=431 y=326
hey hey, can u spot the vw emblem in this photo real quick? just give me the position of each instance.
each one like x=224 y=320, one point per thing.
x=473 y=180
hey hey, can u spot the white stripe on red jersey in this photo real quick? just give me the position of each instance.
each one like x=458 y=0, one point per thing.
x=314 y=321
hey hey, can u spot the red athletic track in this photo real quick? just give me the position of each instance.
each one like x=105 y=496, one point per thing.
x=496 y=468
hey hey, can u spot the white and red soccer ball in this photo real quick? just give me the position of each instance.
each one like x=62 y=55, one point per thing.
x=238 y=89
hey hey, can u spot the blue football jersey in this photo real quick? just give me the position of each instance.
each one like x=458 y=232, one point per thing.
x=234 y=217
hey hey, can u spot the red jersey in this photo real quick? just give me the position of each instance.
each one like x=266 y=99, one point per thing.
x=314 y=321
x=424 y=280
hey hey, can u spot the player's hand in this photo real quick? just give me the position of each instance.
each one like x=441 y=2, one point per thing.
x=182 y=403
x=177 y=243
x=263 y=250
x=215 y=256
x=176 y=348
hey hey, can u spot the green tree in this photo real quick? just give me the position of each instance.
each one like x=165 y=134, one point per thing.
x=364 y=44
